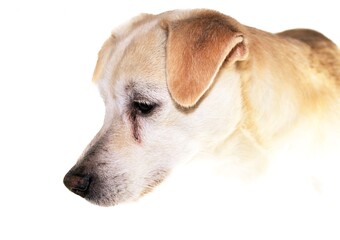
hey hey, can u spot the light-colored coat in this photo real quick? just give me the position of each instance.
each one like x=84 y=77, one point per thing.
x=196 y=85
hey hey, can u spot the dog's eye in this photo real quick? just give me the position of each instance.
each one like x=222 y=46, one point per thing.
x=143 y=108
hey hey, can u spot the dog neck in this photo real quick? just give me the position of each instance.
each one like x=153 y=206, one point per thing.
x=277 y=98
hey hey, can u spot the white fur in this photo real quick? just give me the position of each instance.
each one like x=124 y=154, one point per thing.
x=290 y=172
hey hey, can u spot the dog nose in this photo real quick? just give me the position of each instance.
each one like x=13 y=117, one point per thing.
x=77 y=183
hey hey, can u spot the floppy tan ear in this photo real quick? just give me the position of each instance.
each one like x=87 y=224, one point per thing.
x=196 y=49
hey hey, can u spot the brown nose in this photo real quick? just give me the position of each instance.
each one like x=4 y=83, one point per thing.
x=77 y=183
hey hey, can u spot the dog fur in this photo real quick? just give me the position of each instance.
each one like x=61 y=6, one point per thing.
x=196 y=84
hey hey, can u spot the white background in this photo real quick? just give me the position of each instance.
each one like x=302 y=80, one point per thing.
x=50 y=110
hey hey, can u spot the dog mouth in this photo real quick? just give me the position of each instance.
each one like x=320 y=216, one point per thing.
x=113 y=190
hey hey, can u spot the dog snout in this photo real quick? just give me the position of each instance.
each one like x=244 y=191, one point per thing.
x=77 y=183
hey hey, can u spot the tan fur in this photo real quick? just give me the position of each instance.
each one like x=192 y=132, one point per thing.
x=251 y=103
x=103 y=57
x=292 y=72
x=325 y=52
x=196 y=49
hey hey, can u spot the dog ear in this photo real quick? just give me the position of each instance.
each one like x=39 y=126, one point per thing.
x=196 y=49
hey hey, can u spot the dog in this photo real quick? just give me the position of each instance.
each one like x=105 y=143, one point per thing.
x=188 y=85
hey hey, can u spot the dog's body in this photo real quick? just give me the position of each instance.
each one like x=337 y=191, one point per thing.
x=186 y=84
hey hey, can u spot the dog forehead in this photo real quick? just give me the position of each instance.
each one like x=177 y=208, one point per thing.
x=142 y=31
x=135 y=54
x=142 y=53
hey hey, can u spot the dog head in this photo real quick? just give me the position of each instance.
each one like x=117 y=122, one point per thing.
x=166 y=101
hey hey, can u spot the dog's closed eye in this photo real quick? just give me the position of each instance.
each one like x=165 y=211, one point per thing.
x=143 y=108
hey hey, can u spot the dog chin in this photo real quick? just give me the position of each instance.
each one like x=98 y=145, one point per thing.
x=108 y=200
x=113 y=198
x=103 y=202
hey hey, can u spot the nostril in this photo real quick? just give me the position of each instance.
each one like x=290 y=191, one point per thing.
x=82 y=183
x=77 y=184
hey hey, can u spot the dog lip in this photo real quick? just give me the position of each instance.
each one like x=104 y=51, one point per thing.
x=80 y=193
